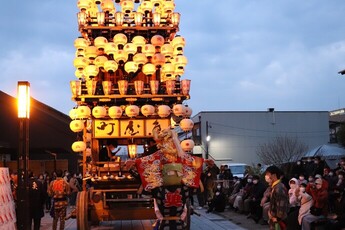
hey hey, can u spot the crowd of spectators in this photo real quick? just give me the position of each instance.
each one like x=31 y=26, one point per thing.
x=314 y=194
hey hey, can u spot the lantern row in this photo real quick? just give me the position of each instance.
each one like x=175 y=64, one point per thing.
x=129 y=14
x=130 y=57
x=131 y=111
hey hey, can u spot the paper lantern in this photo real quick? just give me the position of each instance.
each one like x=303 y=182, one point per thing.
x=157 y=40
x=91 y=52
x=167 y=50
x=158 y=59
x=156 y=3
x=139 y=41
x=100 y=42
x=131 y=67
x=76 y=126
x=188 y=111
x=168 y=69
x=115 y=112
x=91 y=71
x=168 y=6
x=120 y=55
x=120 y=39
x=186 y=124
x=99 y=61
x=80 y=63
x=99 y=112
x=81 y=43
x=149 y=50
x=147 y=110
x=127 y=6
x=107 y=6
x=79 y=74
x=179 y=110
x=83 y=112
x=138 y=18
x=78 y=146
x=178 y=42
x=73 y=113
x=187 y=145
x=146 y=6
x=110 y=66
x=132 y=111
x=84 y=4
x=180 y=61
x=149 y=69
x=110 y=48
x=130 y=48
x=163 y=111
x=140 y=58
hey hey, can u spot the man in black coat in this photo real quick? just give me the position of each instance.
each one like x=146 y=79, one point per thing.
x=36 y=201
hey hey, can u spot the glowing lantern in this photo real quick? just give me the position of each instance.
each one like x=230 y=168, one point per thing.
x=81 y=43
x=100 y=61
x=131 y=67
x=130 y=48
x=91 y=52
x=84 y=4
x=80 y=63
x=79 y=74
x=73 y=113
x=187 y=145
x=158 y=59
x=163 y=111
x=157 y=40
x=99 y=112
x=76 y=126
x=120 y=39
x=179 y=110
x=180 y=61
x=149 y=69
x=146 y=6
x=127 y=6
x=132 y=111
x=147 y=110
x=110 y=66
x=91 y=71
x=120 y=55
x=138 y=18
x=139 y=41
x=156 y=3
x=115 y=112
x=168 y=69
x=100 y=42
x=107 y=6
x=78 y=146
x=110 y=48
x=167 y=50
x=83 y=112
x=168 y=6
x=140 y=58
x=149 y=50
x=186 y=124
x=188 y=111
x=178 y=42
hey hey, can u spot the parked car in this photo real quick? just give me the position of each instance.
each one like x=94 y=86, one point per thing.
x=238 y=169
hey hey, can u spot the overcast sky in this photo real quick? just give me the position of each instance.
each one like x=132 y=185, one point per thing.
x=244 y=55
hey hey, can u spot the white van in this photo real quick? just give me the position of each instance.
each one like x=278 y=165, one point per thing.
x=238 y=169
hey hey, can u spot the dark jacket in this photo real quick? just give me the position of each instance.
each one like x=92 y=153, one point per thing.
x=36 y=198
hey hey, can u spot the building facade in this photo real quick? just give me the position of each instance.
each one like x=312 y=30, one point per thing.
x=235 y=136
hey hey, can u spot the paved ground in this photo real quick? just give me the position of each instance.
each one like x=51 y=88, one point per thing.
x=228 y=220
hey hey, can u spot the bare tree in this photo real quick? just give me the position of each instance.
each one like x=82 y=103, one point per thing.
x=281 y=150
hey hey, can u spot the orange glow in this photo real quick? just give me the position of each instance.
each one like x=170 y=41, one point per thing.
x=132 y=150
x=23 y=99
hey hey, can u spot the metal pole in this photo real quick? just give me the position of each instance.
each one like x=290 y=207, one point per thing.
x=23 y=220
x=206 y=155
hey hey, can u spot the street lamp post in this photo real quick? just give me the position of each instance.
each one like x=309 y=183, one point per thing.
x=23 y=103
x=208 y=138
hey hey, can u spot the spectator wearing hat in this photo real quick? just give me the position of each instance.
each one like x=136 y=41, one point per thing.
x=319 y=193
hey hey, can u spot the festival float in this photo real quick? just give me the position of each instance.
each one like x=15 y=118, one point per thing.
x=130 y=88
